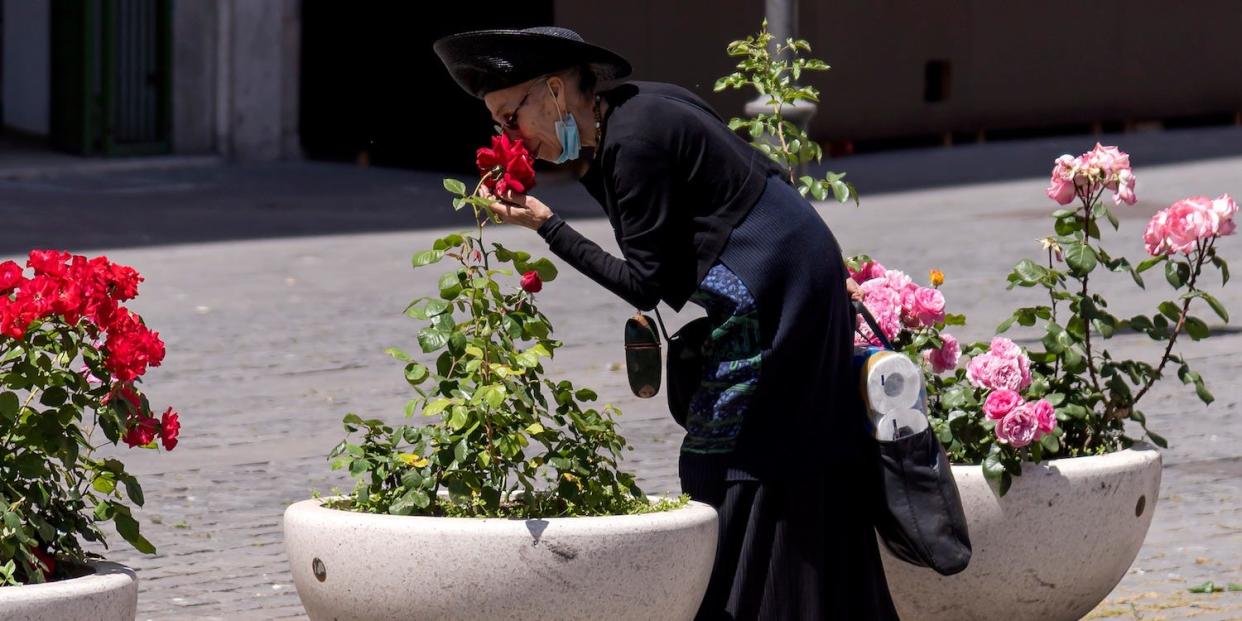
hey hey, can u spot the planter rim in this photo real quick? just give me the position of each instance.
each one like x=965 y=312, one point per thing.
x=105 y=576
x=692 y=512
x=1139 y=453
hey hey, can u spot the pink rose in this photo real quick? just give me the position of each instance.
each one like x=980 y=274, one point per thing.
x=1225 y=209
x=1044 y=415
x=1003 y=347
x=1061 y=185
x=928 y=306
x=1018 y=428
x=1003 y=366
x=1154 y=237
x=1190 y=220
x=867 y=271
x=1108 y=161
x=1001 y=402
x=885 y=305
x=1124 y=193
x=946 y=357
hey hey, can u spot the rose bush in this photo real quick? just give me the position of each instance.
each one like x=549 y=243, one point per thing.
x=505 y=440
x=71 y=358
x=1071 y=397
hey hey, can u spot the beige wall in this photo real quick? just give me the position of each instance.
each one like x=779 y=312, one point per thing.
x=1015 y=64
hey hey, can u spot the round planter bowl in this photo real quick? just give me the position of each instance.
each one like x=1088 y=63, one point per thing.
x=1051 y=549
x=108 y=593
x=350 y=565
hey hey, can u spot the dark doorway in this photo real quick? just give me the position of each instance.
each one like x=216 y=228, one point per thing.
x=374 y=91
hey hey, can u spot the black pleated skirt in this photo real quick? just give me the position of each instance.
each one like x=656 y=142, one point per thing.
x=796 y=493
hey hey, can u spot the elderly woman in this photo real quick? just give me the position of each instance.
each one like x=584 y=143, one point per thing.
x=774 y=437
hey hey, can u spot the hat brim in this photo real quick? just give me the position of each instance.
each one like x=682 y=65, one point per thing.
x=488 y=60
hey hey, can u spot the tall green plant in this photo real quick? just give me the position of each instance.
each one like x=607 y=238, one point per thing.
x=773 y=71
x=506 y=440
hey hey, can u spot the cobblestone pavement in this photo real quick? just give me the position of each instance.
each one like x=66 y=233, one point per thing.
x=273 y=337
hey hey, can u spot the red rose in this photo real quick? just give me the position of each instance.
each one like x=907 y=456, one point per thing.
x=170 y=428
x=50 y=262
x=46 y=560
x=531 y=282
x=141 y=433
x=131 y=347
x=10 y=277
x=506 y=167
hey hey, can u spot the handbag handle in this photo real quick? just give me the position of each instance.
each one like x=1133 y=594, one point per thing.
x=871 y=323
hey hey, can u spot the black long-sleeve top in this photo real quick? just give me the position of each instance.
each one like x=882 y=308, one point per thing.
x=673 y=180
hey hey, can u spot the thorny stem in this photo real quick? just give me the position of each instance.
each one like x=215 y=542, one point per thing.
x=1202 y=249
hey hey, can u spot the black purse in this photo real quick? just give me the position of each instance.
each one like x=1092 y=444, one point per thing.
x=920 y=517
x=686 y=358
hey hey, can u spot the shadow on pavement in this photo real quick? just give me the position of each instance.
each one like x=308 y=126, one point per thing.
x=87 y=211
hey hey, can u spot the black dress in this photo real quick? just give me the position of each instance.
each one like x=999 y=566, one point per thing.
x=775 y=440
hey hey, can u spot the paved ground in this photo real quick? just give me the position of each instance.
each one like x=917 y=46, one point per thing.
x=277 y=287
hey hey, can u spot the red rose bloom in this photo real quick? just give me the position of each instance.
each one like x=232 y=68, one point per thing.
x=531 y=283
x=10 y=277
x=46 y=560
x=506 y=167
x=141 y=433
x=131 y=347
x=170 y=428
x=50 y=262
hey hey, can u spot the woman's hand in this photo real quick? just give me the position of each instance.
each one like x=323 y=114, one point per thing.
x=853 y=289
x=519 y=209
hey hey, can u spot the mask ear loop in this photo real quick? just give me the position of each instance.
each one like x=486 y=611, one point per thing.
x=554 y=102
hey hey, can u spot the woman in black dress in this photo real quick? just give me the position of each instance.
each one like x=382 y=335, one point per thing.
x=775 y=438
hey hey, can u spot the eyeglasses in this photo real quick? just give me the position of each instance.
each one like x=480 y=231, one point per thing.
x=511 y=120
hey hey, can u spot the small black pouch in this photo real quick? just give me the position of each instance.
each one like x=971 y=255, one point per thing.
x=686 y=358
x=642 y=356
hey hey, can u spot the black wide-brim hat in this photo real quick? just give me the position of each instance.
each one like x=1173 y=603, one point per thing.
x=483 y=61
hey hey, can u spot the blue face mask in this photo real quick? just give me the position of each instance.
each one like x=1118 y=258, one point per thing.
x=567 y=133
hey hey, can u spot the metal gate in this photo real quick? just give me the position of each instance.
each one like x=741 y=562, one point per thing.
x=111 y=76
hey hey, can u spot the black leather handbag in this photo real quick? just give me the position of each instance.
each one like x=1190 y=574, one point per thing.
x=920 y=518
x=686 y=357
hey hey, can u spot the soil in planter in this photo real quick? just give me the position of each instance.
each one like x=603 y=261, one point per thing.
x=513 y=510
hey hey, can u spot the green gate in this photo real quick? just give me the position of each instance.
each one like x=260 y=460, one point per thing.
x=111 y=76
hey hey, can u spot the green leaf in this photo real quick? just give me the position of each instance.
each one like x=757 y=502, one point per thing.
x=1204 y=395
x=1197 y=329
x=427 y=257
x=455 y=186
x=1170 y=310
x=1177 y=273
x=1157 y=439
x=104 y=485
x=545 y=268
x=1081 y=258
x=435 y=407
x=127 y=527
x=9 y=404
x=133 y=490
x=1030 y=272
x=1216 y=306
x=415 y=373
x=1149 y=263
x=431 y=339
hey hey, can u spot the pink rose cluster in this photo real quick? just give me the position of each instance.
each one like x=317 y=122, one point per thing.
x=1019 y=422
x=1003 y=367
x=1181 y=228
x=896 y=302
x=1087 y=174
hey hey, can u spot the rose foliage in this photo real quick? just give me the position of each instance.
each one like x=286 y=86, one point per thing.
x=1069 y=396
x=71 y=358
x=504 y=440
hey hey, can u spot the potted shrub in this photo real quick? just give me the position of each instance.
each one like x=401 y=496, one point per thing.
x=71 y=358
x=1058 y=495
x=510 y=503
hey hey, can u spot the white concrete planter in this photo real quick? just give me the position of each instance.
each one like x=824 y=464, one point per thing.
x=108 y=593
x=363 y=566
x=1051 y=549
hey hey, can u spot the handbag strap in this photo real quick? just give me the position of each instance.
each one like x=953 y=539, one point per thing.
x=871 y=323
x=660 y=320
